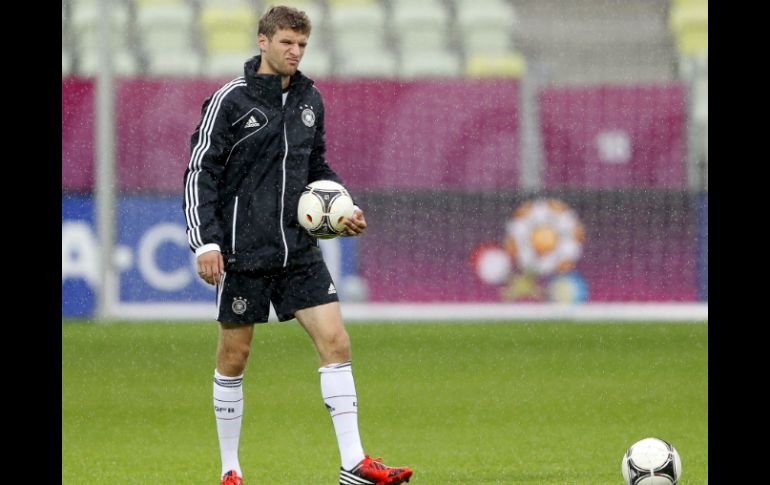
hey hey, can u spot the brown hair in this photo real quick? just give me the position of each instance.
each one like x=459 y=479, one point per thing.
x=283 y=17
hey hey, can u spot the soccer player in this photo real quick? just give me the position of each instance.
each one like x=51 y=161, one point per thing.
x=259 y=142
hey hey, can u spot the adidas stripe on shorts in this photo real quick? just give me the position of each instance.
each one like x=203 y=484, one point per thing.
x=245 y=297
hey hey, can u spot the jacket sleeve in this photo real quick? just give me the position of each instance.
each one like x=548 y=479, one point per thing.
x=209 y=146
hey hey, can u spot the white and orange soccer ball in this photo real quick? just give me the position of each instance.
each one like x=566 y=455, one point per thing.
x=544 y=236
x=323 y=208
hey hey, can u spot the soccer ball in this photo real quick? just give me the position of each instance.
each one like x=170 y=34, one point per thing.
x=651 y=461
x=323 y=207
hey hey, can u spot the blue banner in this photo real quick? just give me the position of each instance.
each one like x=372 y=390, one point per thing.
x=153 y=260
x=703 y=247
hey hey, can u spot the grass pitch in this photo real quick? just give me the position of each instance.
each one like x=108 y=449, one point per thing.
x=461 y=403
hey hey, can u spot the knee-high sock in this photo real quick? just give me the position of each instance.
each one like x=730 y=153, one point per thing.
x=339 y=394
x=228 y=409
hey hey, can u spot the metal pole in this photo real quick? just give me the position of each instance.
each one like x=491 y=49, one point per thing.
x=104 y=190
x=530 y=151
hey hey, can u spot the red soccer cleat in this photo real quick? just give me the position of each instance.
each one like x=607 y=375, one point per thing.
x=231 y=478
x=373 y=472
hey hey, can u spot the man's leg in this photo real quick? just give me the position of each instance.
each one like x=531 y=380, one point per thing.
x=324 y=325
x=232 y=354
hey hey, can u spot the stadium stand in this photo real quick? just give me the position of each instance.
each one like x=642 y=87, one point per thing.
x=420 y=25
x=572 y=42
x=594 y=41
x=84 y=16
x=166 y=31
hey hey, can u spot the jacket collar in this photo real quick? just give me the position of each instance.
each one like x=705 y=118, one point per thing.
x=269 y=85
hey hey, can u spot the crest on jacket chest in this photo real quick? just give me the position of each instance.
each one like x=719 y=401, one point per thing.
x=308 y=115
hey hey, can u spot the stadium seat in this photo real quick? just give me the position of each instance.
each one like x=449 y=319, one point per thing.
x=361 y=25
x=493 y=39
x=165 y=26
x=688 y=21
x=484 y=14
x=174 y=63
x=367 y=63
x=430 y=63
x=66 y=62
x=124 y=63
x=84 y=22
x=485 y=25
x=484 y=65
x=228 y=28
x=226 y=64
x=420 y=25
x=317 y=61
x=693 y=39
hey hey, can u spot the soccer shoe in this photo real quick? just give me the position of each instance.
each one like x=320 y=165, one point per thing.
x=373 y=472
x=232 y=478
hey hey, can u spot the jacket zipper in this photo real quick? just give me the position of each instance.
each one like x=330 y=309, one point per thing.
x=235 y=218
x=283 y=195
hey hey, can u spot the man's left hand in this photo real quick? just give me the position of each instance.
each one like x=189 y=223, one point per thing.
x=355 y=224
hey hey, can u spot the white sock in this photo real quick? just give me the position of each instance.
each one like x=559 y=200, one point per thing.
x=228 y=409
x=339 y=395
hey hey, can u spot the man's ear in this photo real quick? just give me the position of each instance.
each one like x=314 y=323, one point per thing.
x=262 y=41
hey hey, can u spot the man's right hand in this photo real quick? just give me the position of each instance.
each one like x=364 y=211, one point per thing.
x=211 y=266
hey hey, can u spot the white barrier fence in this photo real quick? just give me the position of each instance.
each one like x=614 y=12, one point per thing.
x=416 y=312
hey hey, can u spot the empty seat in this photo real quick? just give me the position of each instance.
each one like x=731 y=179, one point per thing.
x=174 y=63
x=66 y=62
x=317 y=62
x=357 y=25
x=688 y=21
x=430 y=63
x=367 y=63
x=227 y=64
x=493 y=39
x=484 y=14
x=85 y=25
x=228 y=28
x=423 y=14
x=165 y=26
x=505 y=65
x=124 y=63
x=421 y=25
x=485 y=26
x=693 y=39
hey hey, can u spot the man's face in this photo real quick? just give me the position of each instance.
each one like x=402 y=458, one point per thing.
x=282 y=53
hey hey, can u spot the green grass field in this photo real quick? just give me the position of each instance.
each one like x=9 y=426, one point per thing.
x=461 y=403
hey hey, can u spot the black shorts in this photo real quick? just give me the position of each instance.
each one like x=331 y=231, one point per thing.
x=244 y=297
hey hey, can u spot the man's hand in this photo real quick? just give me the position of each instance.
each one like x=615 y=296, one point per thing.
x=355 y=224
x=211 y=266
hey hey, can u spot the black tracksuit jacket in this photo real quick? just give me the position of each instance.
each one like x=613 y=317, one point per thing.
x=251 y=158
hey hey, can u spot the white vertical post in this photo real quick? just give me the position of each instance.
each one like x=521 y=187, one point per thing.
x=104 y=190
x=530 y=153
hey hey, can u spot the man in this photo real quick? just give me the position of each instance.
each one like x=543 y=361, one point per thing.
x=259 y=142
